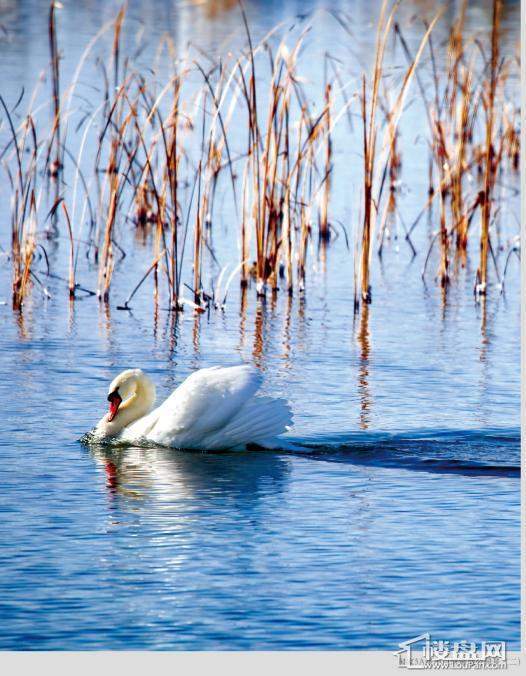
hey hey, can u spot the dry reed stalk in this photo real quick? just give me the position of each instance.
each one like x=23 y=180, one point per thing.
x=395 y=163
x=119 y=20
x=170 y=186
x=393 y=170
x=457 y=191
x=368 y=162
x=24 y=206
x=126 y=305
x=511 y=135
x=172 y=165
x=370 y=130
x=272 y=204
x=443 y=166
x=106 y=262
x=71 y=281
x=244 y=234
x=23 y=251
x=198 y=231
x=443 y=272
x=268 y=156
x=210 y=165
x=281 y=178
x=287 y=208
x=490 y=164
x=325 y=232
x=455 y=54
x=450 y=122
x=143 y=207
x=369 y=124
x=56 y=165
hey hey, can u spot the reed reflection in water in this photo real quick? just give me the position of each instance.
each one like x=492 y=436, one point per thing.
x=364 y=341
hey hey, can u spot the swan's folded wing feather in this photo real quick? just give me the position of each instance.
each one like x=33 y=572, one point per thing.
x=259 y=421
x=206 y=401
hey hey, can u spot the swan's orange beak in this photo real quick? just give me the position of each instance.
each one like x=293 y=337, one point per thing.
x=115 y=400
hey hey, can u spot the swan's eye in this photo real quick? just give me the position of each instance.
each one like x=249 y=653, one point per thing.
x=115 y=401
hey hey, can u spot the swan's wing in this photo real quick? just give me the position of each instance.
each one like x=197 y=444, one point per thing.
x=205 y=402
x=259 y=421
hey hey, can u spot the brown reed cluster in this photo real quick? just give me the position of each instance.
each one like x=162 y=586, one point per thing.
x=135 y=162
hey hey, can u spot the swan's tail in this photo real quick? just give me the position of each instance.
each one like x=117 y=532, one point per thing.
x=258 y=421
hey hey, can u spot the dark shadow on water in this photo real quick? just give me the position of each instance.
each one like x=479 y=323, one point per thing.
x=491 y=452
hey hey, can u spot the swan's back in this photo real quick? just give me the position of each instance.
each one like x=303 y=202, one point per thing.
x=216 y=408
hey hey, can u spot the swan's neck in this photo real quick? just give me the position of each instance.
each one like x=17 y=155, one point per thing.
x=137 y=405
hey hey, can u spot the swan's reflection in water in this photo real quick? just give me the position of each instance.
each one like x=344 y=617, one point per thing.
x=187 y=477
x=184 y=531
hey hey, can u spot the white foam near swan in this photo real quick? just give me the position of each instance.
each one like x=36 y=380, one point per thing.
x=214 y=408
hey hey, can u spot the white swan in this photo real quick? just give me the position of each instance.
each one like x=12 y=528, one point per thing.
x=214 y=408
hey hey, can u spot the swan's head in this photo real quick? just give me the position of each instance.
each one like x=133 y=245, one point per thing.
x=122 y=387
x=130 y=396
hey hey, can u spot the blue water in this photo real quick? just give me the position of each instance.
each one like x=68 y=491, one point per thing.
x=340 y=540
x=392 y=508
x=159 y=549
